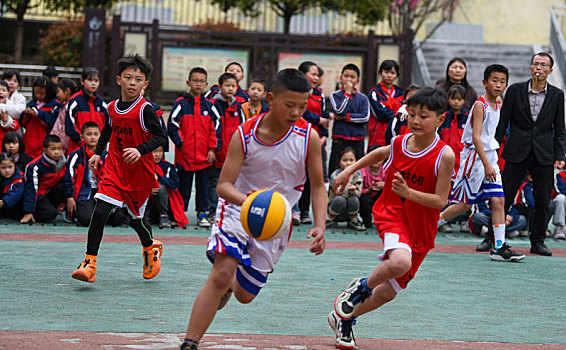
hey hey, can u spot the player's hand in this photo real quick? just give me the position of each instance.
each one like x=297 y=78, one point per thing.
x=27 y=218
x=559 y=164
x=211 y=157
x=490 y=174
x=318 y=242
x=341 y=181
x=399 y=186
x=93 y=162
x=131 y=155
x=71 y=206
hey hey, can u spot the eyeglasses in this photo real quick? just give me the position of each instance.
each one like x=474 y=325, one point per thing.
x=541 y=65
x=198 y=81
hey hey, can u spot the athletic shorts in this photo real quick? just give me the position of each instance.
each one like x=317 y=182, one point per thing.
x=394 y=236
x=135 y=201
x=470 y=185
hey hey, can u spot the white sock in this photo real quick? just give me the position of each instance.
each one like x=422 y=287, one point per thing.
x=499 y=233
x=441 y=220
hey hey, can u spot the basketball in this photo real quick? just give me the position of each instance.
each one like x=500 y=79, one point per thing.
x=266 y=215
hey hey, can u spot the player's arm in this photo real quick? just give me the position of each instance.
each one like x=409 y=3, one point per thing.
x=318 y=194
x=477 y=126
x=439 y=198
x=230 y=171
x=377 y=155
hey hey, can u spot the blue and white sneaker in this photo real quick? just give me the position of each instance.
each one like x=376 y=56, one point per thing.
x=343 y=330
x=203 y=220
x=354 y=294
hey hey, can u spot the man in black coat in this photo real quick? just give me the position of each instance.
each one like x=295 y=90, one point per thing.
x=534 y=112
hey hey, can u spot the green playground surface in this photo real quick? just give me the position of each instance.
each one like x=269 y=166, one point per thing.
x=461 y=297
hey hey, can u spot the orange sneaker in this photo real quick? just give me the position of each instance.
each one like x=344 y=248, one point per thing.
x=87 y=270
x=152 y=259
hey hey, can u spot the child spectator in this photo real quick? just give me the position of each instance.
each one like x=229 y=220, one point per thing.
x=47 y=188
x=237 y=70
x=384 y=100
x=17 y=101
x=374 y=179
x=514 y=222
x=192 y=128
x=85 y=106
x=40 y=115
x=351 y=114
x=52 y=73
x=256 y=105
x=159 y=112
x=165 y=198
x=558 y=205
x=65 y=89
x=129 y=171
x=230 y=117
x=525 y=205
x=7 y=123
x=398 y=124
x=12 y=190
x=85 y=180
x=14 y=143
x=346 y=205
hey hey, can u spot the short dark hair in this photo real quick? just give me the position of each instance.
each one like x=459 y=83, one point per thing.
x=305 y=66
x=90 y=72
x=225 y=76
x=347 y=150
x=198 y=70
x=495 y=68
x=259 y=81
x=51 y=138
x=5 y=84
x=320 y=71
x=7 y=156
x=456 y=89
x=289 y=79
x=8 y=73
x=351 y=66
x=89 y=124
x=67 y=83
x=50 y=89
x=430 y=98
x=546 y=54
x=231 y=63
x=50 y=72
x=13 y=137
x=388 y=65
x=135 y=62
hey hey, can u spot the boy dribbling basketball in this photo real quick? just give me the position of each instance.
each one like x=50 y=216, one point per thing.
x=268 y=151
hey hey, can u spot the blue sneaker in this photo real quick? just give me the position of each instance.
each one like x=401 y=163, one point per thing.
x=354 y=294
x=203 y=220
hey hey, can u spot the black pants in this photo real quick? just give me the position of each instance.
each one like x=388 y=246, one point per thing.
x=46 y=207
x=157 y=205
x=14 y=213
x=85 y=209
x=340 y=144
x=543 y=181
x=366 y=207
x=201 y=188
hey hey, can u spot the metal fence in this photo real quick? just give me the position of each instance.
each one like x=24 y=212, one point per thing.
x=29 y=73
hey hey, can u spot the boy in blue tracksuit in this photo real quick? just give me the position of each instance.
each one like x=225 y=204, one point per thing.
x=11 y=187
x=351 y=116
x=514 y=221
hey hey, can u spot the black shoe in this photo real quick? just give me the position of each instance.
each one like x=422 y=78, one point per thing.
x=485 y=245
x=505 y=253
x=540 y=249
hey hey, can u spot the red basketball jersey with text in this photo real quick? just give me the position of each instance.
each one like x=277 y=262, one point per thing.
x=129 y=131
x=420 y=173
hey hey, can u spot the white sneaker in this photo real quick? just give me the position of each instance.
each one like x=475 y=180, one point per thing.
x=203 y=220
x=559 y=232
x=343 y=330
x=446 y=228
x=512 y=234
x=465 y=226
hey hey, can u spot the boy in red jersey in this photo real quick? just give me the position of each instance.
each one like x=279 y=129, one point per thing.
x=129 y=172
x=418 y=170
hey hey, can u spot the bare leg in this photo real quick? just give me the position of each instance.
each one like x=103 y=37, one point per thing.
x=454 y=210
x=382 y=294
x=397 y=265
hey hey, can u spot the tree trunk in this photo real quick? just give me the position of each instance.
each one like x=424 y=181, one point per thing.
x=19 y=39
x=287 y=22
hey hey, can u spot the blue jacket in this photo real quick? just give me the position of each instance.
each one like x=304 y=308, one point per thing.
x=12 y=189
x=80 y=109
x=355 y=108
x=79 y=172
x=170 y=177
x=484 y=207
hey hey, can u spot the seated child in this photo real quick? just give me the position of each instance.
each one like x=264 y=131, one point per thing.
x=398 y=124
x=525 y=204
x=12 y=190
x=7 y=123
x=346 y=206
x=374 y=179
x=14 y=144
x=513 y=220
x=256 y=105
x=558 y=205
x=85 y=181
x=165 y=196
x=46 y=187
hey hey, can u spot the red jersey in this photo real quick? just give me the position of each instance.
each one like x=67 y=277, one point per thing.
x=420 y=172
x=128 y=131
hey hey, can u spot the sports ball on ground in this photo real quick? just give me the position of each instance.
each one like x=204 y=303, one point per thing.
x=266 y=215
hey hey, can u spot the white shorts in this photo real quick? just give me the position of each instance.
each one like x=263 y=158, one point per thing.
x=470 y=185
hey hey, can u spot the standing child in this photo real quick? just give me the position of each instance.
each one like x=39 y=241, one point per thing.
x=373 y=182
x=12 y=188
x=52 y=73
x=192 y=128
x=346 y=205
x=7 y=123
x=230 y=117
x=14 y=144
x=479 y=176
x=418 y=168
x=17 y=101
x=129 y=172
x=66 y=88
x=268 y=151
x=384 y=100
x=40 y=115
x=84 y=106
x=256 y=105
x=237 y=70
x=398 y=124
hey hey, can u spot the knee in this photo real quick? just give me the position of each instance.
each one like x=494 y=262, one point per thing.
x=560 y=199
x=399 y=266
x=222 y=277
x=82 y=218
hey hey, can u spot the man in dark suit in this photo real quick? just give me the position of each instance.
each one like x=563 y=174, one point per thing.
x=534 y=112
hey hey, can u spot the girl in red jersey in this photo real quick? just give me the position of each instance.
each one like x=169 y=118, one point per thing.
x=418 y=171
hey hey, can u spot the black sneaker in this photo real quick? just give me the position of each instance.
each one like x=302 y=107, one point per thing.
x=505 y=253
x=343 y=330
x=485 y=245
x=346 y=301
x=164 y=221
x=188 y=346
x=356 y=224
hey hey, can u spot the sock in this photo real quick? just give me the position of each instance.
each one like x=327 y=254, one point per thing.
x=364 y=283
x=499 y=233
x=441 y=220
